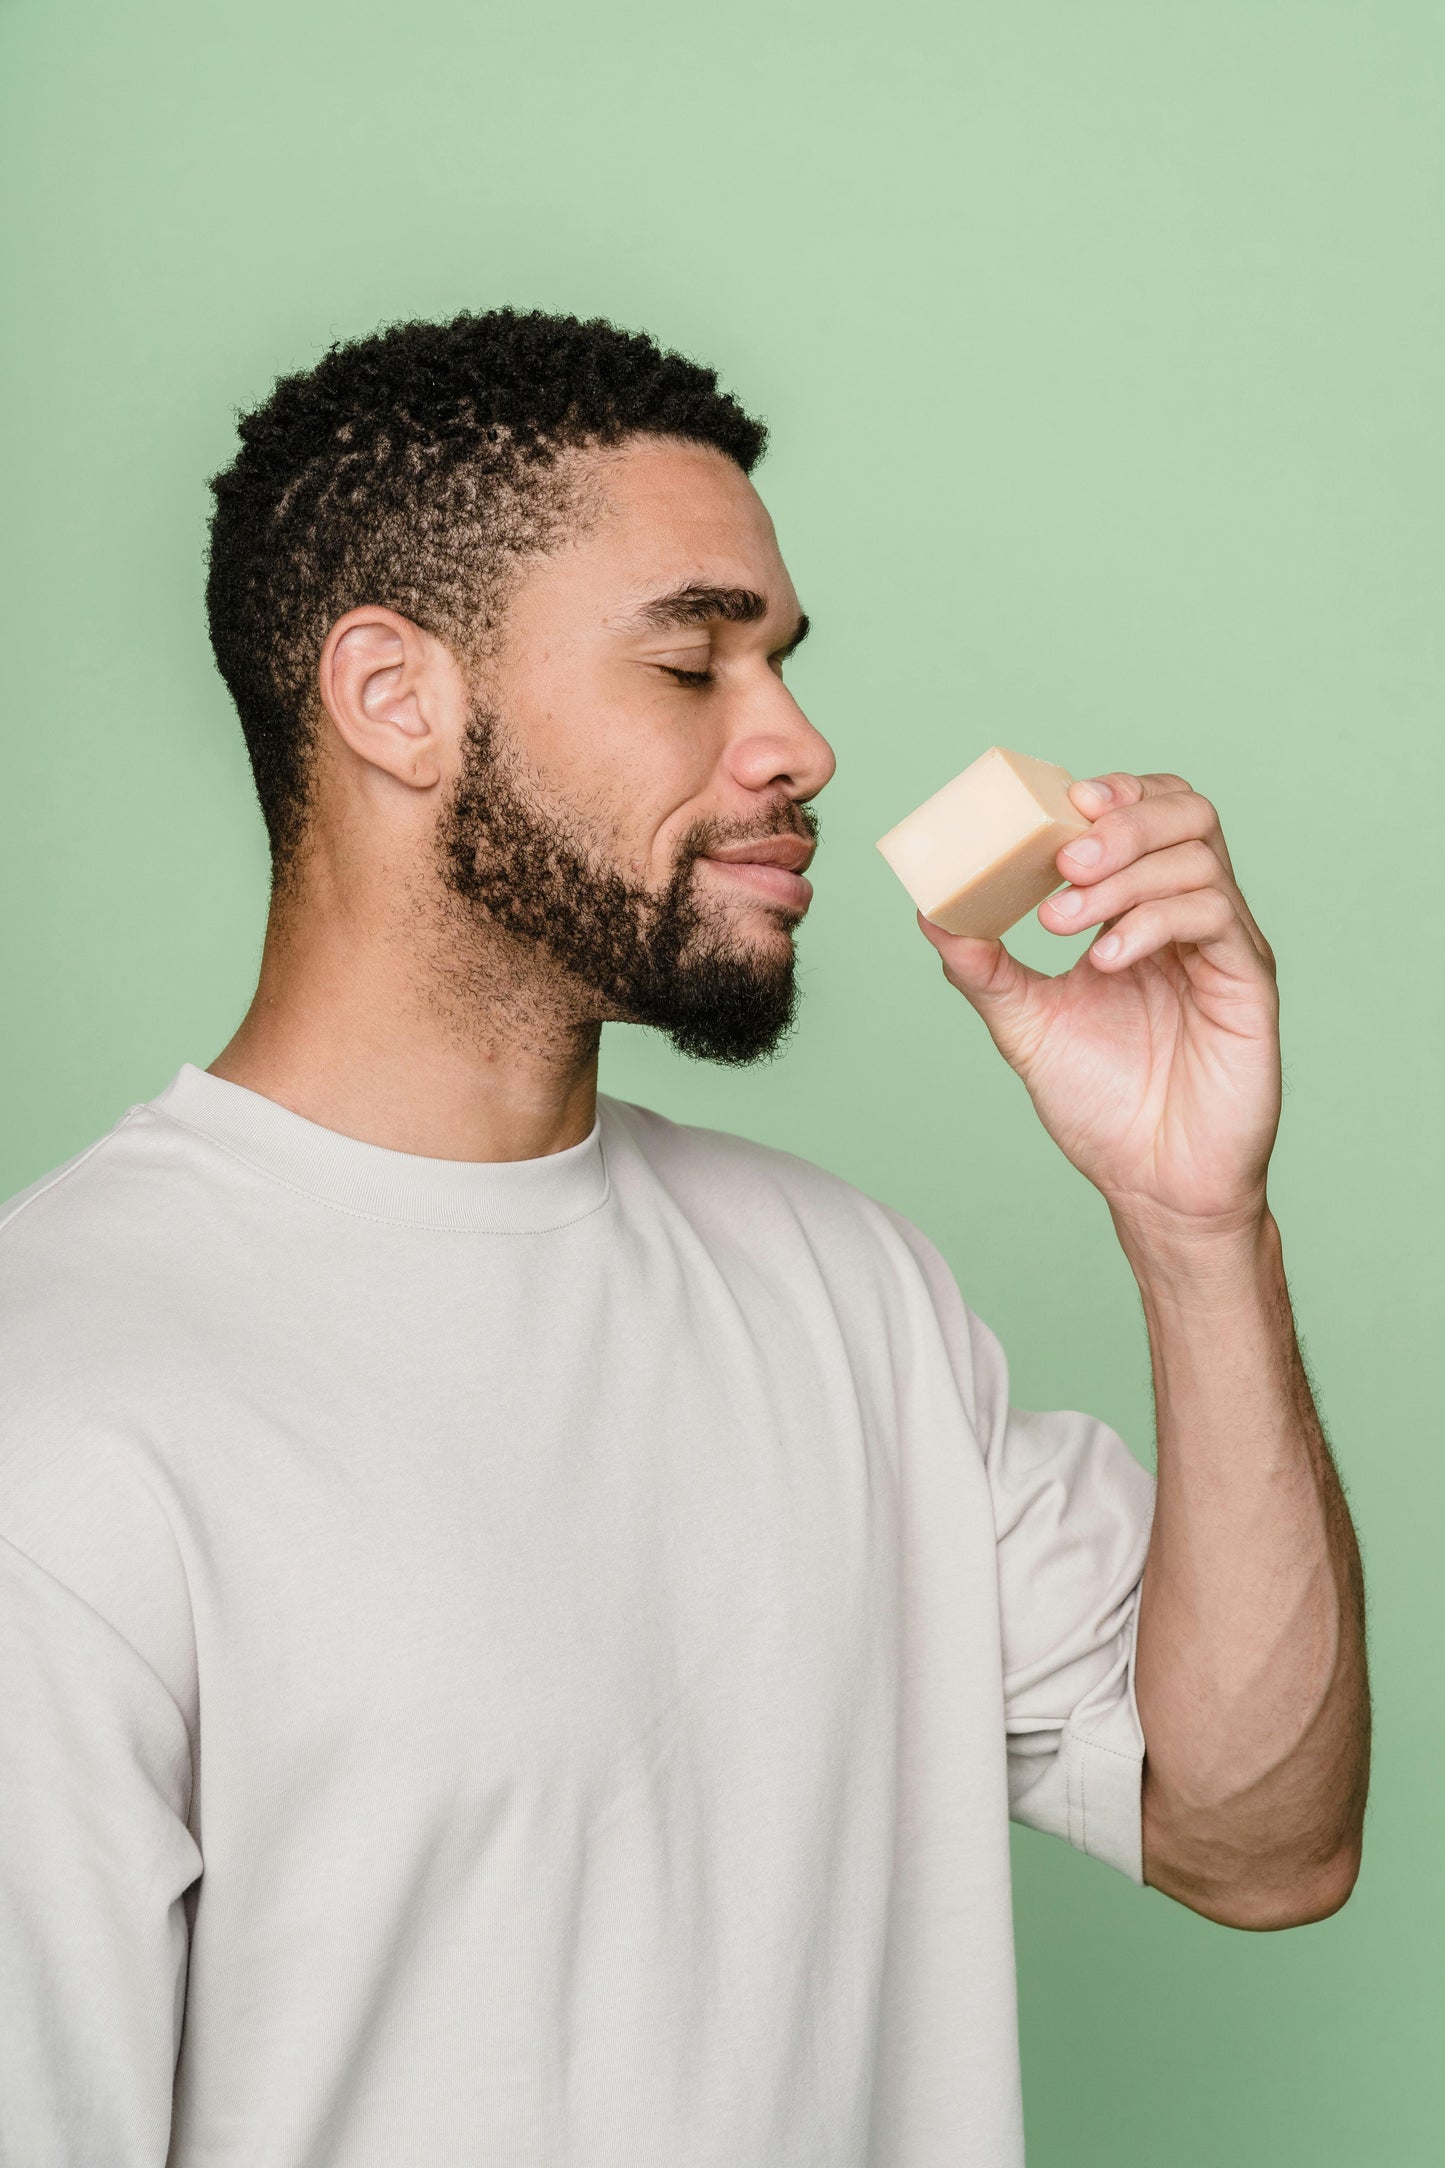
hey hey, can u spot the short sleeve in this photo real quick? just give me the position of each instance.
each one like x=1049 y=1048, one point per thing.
x=95 y=1859
x=1072 y=1511
x=1072 y=1516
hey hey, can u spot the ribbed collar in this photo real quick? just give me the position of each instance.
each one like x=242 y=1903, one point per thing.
x=508 y=1196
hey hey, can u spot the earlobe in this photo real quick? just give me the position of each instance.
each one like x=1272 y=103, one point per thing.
x=379 y=684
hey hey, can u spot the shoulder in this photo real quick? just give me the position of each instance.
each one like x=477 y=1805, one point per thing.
x=76 y=1502
x=111 y=1198
x=13 y=1209
x=841 y=1267
x=49 y=1212
x=95 y=1260
x=732 y=1184
x=718 y=1161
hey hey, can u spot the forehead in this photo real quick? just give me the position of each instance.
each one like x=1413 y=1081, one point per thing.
x=669 y=513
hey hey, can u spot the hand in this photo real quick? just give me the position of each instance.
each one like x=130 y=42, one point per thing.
x=1154 y=1061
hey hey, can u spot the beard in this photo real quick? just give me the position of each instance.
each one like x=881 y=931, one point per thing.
x=657 y=958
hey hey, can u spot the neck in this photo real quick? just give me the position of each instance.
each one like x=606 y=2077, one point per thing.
x=384 y=1032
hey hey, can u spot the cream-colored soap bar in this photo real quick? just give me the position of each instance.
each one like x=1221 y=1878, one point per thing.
x=978 y=855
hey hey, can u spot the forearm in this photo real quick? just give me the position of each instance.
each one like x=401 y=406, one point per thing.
x=1250 y=1673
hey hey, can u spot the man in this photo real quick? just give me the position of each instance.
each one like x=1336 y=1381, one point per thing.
x=524 y=1621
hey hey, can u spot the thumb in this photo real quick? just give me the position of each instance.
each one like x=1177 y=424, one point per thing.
x=1001 y=988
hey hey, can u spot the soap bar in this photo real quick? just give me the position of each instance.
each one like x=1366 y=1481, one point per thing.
x=978 y=855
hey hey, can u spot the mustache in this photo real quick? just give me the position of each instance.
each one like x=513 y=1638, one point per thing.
x=790 y=818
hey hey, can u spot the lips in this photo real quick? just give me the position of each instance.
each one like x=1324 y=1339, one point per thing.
x=792 y=853
x=770 y=868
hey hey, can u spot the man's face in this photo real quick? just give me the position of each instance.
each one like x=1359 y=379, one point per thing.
x=632 y=795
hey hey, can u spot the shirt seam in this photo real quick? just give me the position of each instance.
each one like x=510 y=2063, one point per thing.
x=1077 y=1783
x=379 y=1219
x=63 y=1174
x=1097 y=1746
x=91 y=1610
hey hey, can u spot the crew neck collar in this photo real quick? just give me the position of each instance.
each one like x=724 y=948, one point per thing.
x=507 y=1196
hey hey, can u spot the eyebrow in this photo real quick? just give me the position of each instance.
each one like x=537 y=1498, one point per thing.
x=697 y=605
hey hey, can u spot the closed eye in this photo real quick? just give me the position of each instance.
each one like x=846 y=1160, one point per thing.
x=687 y=677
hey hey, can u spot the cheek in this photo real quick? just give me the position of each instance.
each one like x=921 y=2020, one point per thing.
x=635 y=760
x=651 y=807
x=644 y=783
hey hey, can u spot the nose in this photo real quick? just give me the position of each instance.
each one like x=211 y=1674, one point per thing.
x=779 y=747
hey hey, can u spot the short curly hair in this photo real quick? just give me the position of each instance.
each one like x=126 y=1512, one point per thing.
x=412 y=468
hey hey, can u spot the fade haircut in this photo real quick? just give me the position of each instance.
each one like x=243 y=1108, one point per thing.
x=413 y=469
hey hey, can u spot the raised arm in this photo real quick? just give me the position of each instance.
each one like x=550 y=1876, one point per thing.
x=1250 y=1672
x=1154 y=1064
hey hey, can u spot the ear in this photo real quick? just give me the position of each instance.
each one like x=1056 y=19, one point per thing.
x=394 y=693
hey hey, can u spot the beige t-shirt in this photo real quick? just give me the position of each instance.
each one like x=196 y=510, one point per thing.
x=526 y=1665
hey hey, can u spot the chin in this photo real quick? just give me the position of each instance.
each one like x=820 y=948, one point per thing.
x=758 y=921
x=774 y=927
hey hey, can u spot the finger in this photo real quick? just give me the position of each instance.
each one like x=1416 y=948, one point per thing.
x=1174 y=871
x=1125 y=790
x=1126 y=832
x=1205 y=918
x=1119 y=787
x=996 y=983
x=1096 y=796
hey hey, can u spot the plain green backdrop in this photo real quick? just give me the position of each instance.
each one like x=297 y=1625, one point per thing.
x=1100 y=345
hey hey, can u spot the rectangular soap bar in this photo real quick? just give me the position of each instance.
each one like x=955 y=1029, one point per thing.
x=978 y=855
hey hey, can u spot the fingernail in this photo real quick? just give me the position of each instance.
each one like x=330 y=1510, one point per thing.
x=1086 y=852
x=1098 y=791
x=1109 y=946
x=1068 y=902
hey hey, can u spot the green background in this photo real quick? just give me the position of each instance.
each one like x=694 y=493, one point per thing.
x=1100 y=345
